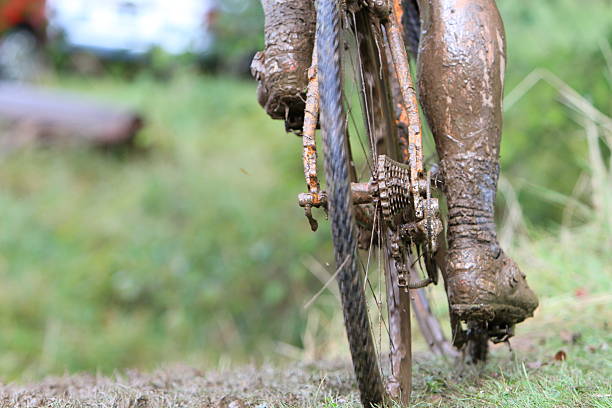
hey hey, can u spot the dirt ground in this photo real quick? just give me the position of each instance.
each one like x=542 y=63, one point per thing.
x=182 y=386
x=574 y=377
x=558 y=360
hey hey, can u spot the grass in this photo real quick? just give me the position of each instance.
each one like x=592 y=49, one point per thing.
x=117 y=260
x=101 y=250
x=559 y=358
x=529 y=376
x=191 y=248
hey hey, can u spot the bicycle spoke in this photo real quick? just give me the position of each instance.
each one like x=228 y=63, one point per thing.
x=372 y=238
x=331 y=279
x=360 y=175
x=366 y=109
x=382 y=319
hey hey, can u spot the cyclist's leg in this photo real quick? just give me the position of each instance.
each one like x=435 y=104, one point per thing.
x=282 y=68
x=461 y=67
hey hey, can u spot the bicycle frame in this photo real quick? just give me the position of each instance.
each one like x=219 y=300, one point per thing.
x=415 y=184
x=410 y=137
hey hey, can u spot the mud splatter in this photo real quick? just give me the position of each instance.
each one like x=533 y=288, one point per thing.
x=282 y=68
x=461 y=71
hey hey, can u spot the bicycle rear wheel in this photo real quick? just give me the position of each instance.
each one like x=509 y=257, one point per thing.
x=358 y=125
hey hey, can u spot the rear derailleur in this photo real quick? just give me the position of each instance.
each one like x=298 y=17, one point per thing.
x=409 y=213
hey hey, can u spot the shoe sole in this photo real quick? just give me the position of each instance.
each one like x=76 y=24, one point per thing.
x=495 y=313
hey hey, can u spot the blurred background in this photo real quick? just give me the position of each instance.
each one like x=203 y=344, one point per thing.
x=148 y=205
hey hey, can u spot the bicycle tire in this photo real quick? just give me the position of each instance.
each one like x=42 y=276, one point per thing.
x=376 y=100
x=340 y=207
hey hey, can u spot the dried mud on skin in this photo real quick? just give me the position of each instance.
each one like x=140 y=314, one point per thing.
x=281 y=69
x=299 y=385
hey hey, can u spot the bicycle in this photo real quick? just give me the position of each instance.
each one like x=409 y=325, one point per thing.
x=379 y=196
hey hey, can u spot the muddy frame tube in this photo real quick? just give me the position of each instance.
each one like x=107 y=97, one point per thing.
x=410 y=127
x=313 y=198
x=410 y=107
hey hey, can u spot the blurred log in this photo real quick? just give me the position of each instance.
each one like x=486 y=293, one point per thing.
x=29 y=114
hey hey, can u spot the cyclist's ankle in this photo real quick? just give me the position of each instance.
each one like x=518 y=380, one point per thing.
x=467 y=226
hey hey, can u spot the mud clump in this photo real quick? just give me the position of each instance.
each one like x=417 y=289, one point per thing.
x=281 y=70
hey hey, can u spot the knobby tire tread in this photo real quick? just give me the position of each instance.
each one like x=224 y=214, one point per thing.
x=344 y=230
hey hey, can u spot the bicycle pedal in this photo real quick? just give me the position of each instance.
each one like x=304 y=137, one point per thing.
x=500 y=334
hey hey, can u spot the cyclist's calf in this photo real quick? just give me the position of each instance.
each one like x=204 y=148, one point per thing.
x=461 y=78
x=282 y=68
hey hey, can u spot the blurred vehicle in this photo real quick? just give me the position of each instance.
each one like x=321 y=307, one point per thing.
x=22 y=31
x=132 y=29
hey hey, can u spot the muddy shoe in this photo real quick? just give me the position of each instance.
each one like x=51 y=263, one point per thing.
x=486 y=285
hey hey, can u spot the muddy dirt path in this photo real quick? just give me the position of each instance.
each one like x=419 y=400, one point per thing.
x=182 y=386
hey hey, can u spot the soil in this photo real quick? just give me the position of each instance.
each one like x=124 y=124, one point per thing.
x=437 y=382
x=182 y=386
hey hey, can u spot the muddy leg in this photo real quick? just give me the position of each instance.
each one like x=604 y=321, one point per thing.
x=461 y=77
x=281 y=69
